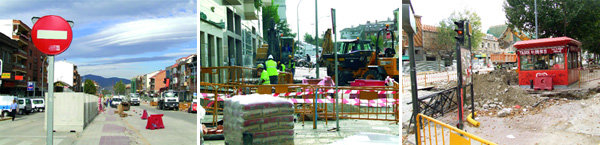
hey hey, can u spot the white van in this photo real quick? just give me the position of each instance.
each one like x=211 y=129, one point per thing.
x=115 y=101
x=5 y=102
x=38 y=105
x=24 y=106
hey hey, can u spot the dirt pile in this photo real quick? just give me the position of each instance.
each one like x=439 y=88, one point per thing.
x=500 y=88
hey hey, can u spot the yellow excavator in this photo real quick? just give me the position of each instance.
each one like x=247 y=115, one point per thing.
x=505 y=43
x=359 y=59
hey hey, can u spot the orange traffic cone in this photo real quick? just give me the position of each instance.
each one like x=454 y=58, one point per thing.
x=145 y=115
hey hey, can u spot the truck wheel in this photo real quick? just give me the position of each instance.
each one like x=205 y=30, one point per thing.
x=372 y=75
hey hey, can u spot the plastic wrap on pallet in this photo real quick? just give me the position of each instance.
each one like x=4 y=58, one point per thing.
x=269 y=120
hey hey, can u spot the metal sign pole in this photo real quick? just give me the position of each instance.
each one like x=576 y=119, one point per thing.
x=317 y=58
x=50 y=109
x=337 y=98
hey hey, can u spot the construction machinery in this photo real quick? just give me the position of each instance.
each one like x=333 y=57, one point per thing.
x=505 y=43
x=280 y=51
x=359 y=60
x=504 y=60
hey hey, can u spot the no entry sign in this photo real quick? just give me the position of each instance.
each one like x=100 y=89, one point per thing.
x=52 y=34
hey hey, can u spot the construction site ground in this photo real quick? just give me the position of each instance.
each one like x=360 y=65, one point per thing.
x=511 y=115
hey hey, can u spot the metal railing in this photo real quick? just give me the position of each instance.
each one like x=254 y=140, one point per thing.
x=443 y=133
x=314 y=101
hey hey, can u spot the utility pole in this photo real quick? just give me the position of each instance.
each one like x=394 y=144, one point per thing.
x=536 y=24
x=317 y=57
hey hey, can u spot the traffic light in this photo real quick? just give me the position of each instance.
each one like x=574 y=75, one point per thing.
x=460 y=31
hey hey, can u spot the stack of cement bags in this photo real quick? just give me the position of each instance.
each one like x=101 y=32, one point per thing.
x=258 y=119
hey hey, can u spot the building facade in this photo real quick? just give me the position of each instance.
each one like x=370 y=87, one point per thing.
x=181 y=76
x=27 y=61
x=230 y=33
x=157 y=83
x=67 y=76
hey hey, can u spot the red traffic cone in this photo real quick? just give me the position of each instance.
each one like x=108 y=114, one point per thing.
x=145 y=115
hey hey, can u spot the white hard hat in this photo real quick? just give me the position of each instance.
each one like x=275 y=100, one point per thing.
x=270 y=56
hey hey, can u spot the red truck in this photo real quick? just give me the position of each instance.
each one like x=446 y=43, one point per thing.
x=504 y=60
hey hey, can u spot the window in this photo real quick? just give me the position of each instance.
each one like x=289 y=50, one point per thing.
x=553 y=61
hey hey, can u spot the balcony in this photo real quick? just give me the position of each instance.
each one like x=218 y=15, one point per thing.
x=19 y=68
x=232 y=2
x=21 y=53
x=250 y=12
x=22 y=39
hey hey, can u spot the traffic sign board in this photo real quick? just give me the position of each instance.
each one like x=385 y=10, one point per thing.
x=30 y=86
x=52 y=34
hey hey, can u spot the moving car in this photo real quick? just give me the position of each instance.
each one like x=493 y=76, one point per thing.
x=134 y=99
x=168 y=101
x=38 y=105
x=24 y=106
x=5 y=102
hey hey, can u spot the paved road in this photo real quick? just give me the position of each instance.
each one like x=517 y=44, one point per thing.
x=187 y=117
x=29 y=129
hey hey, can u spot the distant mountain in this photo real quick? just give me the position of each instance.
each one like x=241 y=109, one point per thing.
x=105 y=83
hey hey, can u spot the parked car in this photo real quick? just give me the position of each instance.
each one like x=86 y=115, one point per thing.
x=193 y=107
x=168 y=101
x=38 y=105
x=115 y=101
x=5 y=102
x=24 y=106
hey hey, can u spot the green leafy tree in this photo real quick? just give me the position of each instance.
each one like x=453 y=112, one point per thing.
x=105 y=92
x=119 y=88
x=284 y=27
x=577 y=19
x=309 y=38
x=445 y=43
x=89 y=87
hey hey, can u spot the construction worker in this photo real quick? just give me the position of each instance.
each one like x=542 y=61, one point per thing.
x=271 y=66
x=292 y=64
x=264 y=75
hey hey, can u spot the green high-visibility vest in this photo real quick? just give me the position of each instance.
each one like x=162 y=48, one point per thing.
x=282 y=67
x=271 y=66
x=292 y=64
x=265 y=77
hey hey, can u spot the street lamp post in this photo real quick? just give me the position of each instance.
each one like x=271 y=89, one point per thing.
x=298 y=25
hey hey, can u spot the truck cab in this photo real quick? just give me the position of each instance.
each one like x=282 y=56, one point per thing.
x=134 y=99
x=168 y=100
x=5 y=102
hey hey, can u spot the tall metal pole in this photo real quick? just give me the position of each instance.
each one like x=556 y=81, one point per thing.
x=413 y=83
x=472 y=79
x=337 y=98
x=50 y=110
x=298 y=24
x=317 y=58
x=536 y=24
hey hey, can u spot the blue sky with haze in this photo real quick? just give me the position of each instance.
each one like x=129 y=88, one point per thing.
x=116 y=38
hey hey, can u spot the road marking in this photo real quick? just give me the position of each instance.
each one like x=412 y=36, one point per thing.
x=137 y=132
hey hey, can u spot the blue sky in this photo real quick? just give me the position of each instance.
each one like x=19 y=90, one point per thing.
x=113 y=38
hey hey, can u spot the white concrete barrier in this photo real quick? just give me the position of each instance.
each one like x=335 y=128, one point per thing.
x=73 y=111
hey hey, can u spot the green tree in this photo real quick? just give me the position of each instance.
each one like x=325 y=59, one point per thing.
x=445 y=43
x=105 y=92
x=89 y=87
x=284 y=27
x=577 y=19
x=308 y=38
x=119 y=88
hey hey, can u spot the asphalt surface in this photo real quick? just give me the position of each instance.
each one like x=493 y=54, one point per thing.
x=187 y=117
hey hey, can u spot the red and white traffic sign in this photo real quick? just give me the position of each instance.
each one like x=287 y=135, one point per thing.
x=52 y=34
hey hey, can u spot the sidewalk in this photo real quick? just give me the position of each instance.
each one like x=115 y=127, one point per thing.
x=110 y=129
